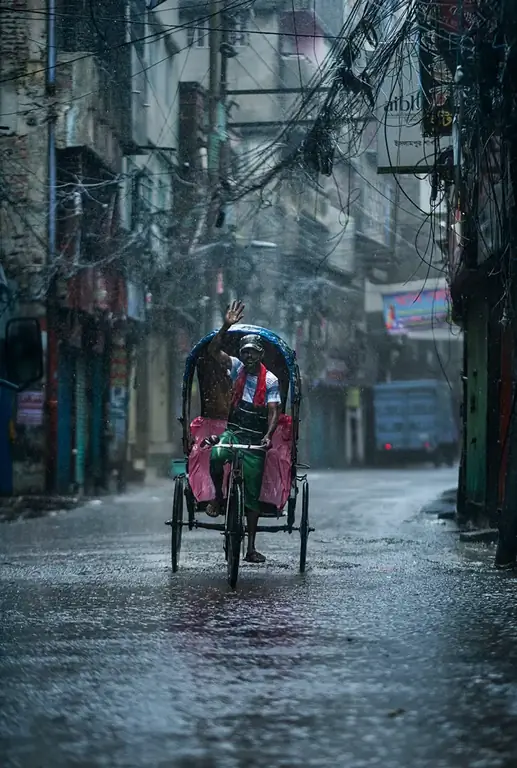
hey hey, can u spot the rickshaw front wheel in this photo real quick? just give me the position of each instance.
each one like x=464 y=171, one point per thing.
x=234 y=532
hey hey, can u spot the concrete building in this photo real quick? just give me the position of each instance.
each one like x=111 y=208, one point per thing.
x=88 y=136
x=62 y=149
x=150 y=219
x=296 y=253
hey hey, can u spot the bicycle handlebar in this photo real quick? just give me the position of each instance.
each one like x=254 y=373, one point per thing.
x=237 y=447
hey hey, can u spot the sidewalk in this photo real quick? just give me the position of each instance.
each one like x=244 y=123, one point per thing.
x=444 y=507
x=14 y=508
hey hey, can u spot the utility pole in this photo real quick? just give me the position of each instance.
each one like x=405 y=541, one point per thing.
x=51 y=395
x=215 y=40
x=214 y=140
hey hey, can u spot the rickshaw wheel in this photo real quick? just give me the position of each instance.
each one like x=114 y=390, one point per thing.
x=304 y=526
x=176 y=522
x=234 y=531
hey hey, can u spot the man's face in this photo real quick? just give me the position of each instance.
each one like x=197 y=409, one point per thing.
x=250 y=358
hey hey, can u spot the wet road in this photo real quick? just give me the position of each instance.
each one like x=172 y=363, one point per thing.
x=396 y=649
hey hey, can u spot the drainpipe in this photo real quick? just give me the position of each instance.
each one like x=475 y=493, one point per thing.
x=51 y=89
x=51 y=379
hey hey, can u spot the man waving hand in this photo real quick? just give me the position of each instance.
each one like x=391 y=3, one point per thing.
x=252 y=420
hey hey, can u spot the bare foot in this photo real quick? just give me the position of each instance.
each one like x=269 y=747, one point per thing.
x=254 y=557
x=213 y=509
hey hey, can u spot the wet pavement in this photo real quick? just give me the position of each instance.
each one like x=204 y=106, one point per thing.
x=397 y=648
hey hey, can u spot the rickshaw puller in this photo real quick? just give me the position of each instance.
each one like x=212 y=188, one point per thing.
x=253 y=418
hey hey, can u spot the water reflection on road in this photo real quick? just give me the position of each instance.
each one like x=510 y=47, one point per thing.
x=396 y=648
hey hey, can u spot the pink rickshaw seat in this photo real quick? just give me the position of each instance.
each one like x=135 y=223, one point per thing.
x=276 y=482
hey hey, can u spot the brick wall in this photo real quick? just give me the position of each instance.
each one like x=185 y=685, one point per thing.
x=24 y=192
x=23 y=138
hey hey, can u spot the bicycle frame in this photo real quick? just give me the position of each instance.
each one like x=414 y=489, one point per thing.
x=236 y=474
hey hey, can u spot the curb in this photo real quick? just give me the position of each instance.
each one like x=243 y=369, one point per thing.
x=484 y=535
x=439 y=507
x=450 y=496
x=27 y=507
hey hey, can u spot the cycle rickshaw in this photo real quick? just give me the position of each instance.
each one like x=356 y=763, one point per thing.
x=282 y=484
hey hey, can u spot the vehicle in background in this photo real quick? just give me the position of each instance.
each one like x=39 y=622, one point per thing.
x=414 y=421
x=22 y=358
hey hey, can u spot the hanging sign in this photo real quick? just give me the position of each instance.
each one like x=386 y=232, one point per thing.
x=30 y=409
x=401 y=146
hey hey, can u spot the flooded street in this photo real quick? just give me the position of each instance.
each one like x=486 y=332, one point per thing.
x=396 y=648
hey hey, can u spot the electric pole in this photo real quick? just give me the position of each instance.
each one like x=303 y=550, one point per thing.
x=215 y=40
x=213 y=157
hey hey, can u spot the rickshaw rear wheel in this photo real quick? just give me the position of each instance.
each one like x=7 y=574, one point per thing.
x=234 y=532
x=177 y=522
x=304 y=526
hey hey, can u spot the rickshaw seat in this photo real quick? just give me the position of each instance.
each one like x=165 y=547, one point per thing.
x=276 y=482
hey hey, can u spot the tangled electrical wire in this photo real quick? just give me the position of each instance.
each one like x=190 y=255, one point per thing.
x=480 y=51
x=350 y=86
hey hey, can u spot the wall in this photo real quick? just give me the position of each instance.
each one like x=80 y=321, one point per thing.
x=476 y=405
x=23 y=206
x=255 y=67
x=23 y=140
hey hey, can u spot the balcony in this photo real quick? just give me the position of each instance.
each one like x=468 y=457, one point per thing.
x=88 y=115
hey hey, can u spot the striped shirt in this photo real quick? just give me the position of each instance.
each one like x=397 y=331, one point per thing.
x=272 y=385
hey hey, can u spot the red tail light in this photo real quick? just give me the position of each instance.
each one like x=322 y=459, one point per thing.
x=388 y=447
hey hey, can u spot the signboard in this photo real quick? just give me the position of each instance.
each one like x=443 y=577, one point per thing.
x=30 y=409
x=415 y=310
x=401 y=147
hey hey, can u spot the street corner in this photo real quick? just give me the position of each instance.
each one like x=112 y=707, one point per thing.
x=480 y=536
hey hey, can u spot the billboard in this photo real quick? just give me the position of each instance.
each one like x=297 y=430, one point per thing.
x=409 y=311
x=401 y=147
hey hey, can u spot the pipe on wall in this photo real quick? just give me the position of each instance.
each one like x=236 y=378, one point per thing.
x=51 y=366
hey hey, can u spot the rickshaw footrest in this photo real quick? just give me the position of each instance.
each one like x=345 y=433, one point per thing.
x=209 y=526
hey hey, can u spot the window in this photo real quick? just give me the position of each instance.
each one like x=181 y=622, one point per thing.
x=162 y=196
x=239 y=25
x=198 y=36
x=238 y=31
x=143 y=196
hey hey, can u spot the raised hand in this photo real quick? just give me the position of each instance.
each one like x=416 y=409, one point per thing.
x=234 y=313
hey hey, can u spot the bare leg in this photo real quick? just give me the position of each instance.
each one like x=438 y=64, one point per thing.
x=252 y=555
x=215 y=507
